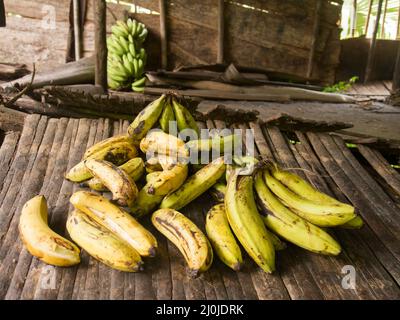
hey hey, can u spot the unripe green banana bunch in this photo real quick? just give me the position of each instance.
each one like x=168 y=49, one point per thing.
x=126 y=57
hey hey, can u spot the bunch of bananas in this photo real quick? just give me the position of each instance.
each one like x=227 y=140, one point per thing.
x=254 y=210
x=126 y=56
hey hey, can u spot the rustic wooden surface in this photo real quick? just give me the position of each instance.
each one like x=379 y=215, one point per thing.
x=35 y=162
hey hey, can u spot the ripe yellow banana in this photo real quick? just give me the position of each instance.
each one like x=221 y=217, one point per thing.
x=116 y=220
x=117 y=154
x=278 y=243
x=161 y=143
x=218 y=191
x=247 y=223
x=355 y=223
x=40 y=240
x=145 y=203
x=222 y=238
x=146 y=119
x=166 y=116
x=291 y=227
x=173 y=176
x=183 y=118
x=102 y=244
x=152 y=176
x=115 y=179
x=195 y=185
x=134 y=168
x=326 y=215
x=187 y=237
x=153 y=165
x=105 y=144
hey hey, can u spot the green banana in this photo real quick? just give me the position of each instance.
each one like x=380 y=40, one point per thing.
x=183 y=118
x=291 y=227
x=247 y=223
x=222 y=238
x=195 y=185
x=146 y=119
x=166 y=116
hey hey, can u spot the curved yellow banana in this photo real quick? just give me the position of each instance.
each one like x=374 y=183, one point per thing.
x=115 y=179
x=355 y=223
x=278 y=243
x=247 y=223
x=291 y=227
x=117 y=154
x=105 y=144
x=102 y=244
x=158 y=142
x=195 y=185
x=146 y=119
x=222 y=238
x=187 y=237
x=152 y=176
x=317 y=213
x=134 y=168
x=40 y=240
x=116 y=220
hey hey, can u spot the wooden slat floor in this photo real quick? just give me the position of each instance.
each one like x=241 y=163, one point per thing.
x=35 y=162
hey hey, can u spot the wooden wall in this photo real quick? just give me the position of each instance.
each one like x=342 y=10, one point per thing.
x=271 y=34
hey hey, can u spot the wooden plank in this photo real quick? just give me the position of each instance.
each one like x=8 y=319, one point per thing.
x=100 y=45
x=221 y=31
x=7 y=152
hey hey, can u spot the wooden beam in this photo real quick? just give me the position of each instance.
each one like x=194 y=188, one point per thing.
x=371 y=52
x=383 y=19
x=221 y=30
x=77 y=30
x=163 y=34
x=396 y=73
x=11 y=120
x=318 y=6
x=368 y=16
x=100 y=43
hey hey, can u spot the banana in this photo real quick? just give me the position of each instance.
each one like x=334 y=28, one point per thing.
x=115 y=179
x=146 y=119
x=291 y=227
x=166 y=116
x=140 y=68
x=218 y=191
x=102 y=244
x=355 y=223
x=117 y=153
x=159 y=142
x=153 y=176
x=187 y=237
x=169 y=180
x=139 y=83
x=145 y=202
x=215 y=143
x=116 y=220
x=123 y=26
x=143 y=35
x=331 y=214
x=134 y=27
x=136 y=67
x=105 y=143
x=40 y=240
x=183 y=118
x=124 y=43
x=127 y=64
x=113 y=48
x=278 y=243
x=195 y=185
x=222 y=238
x=114 y=85
x=114 y=41
x=138 y=89
x=132 y=50
x=129 y=23
x=247 y=223
x=134 y=168
x=153 y=165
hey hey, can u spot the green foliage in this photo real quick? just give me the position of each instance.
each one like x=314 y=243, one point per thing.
x=341 y=85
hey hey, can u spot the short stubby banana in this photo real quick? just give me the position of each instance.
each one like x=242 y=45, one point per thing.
x=105 y=144
x=40 y=240
x=291 y=227
x=117 y=153
x=195 y=185
x=116 y=220
x=158 y=142
x=134 y=168
x=115 y=179
x=325 y=215
x=102 y=244
x=246 y=222
x=146 y=119
x=183 y=118
x=187 y=237
x=170 y=179
x=222 y=238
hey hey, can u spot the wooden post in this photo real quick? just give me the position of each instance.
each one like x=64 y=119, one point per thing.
x=368 y=16
x=318 y=5
x=100 y=43
x=221 y=29
x=371 y=52
x=163 y=34
x=2 y=14
x=354 y=19
x=77 y=30
x=396 y=73
x=383 y=19
x=398 y=25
